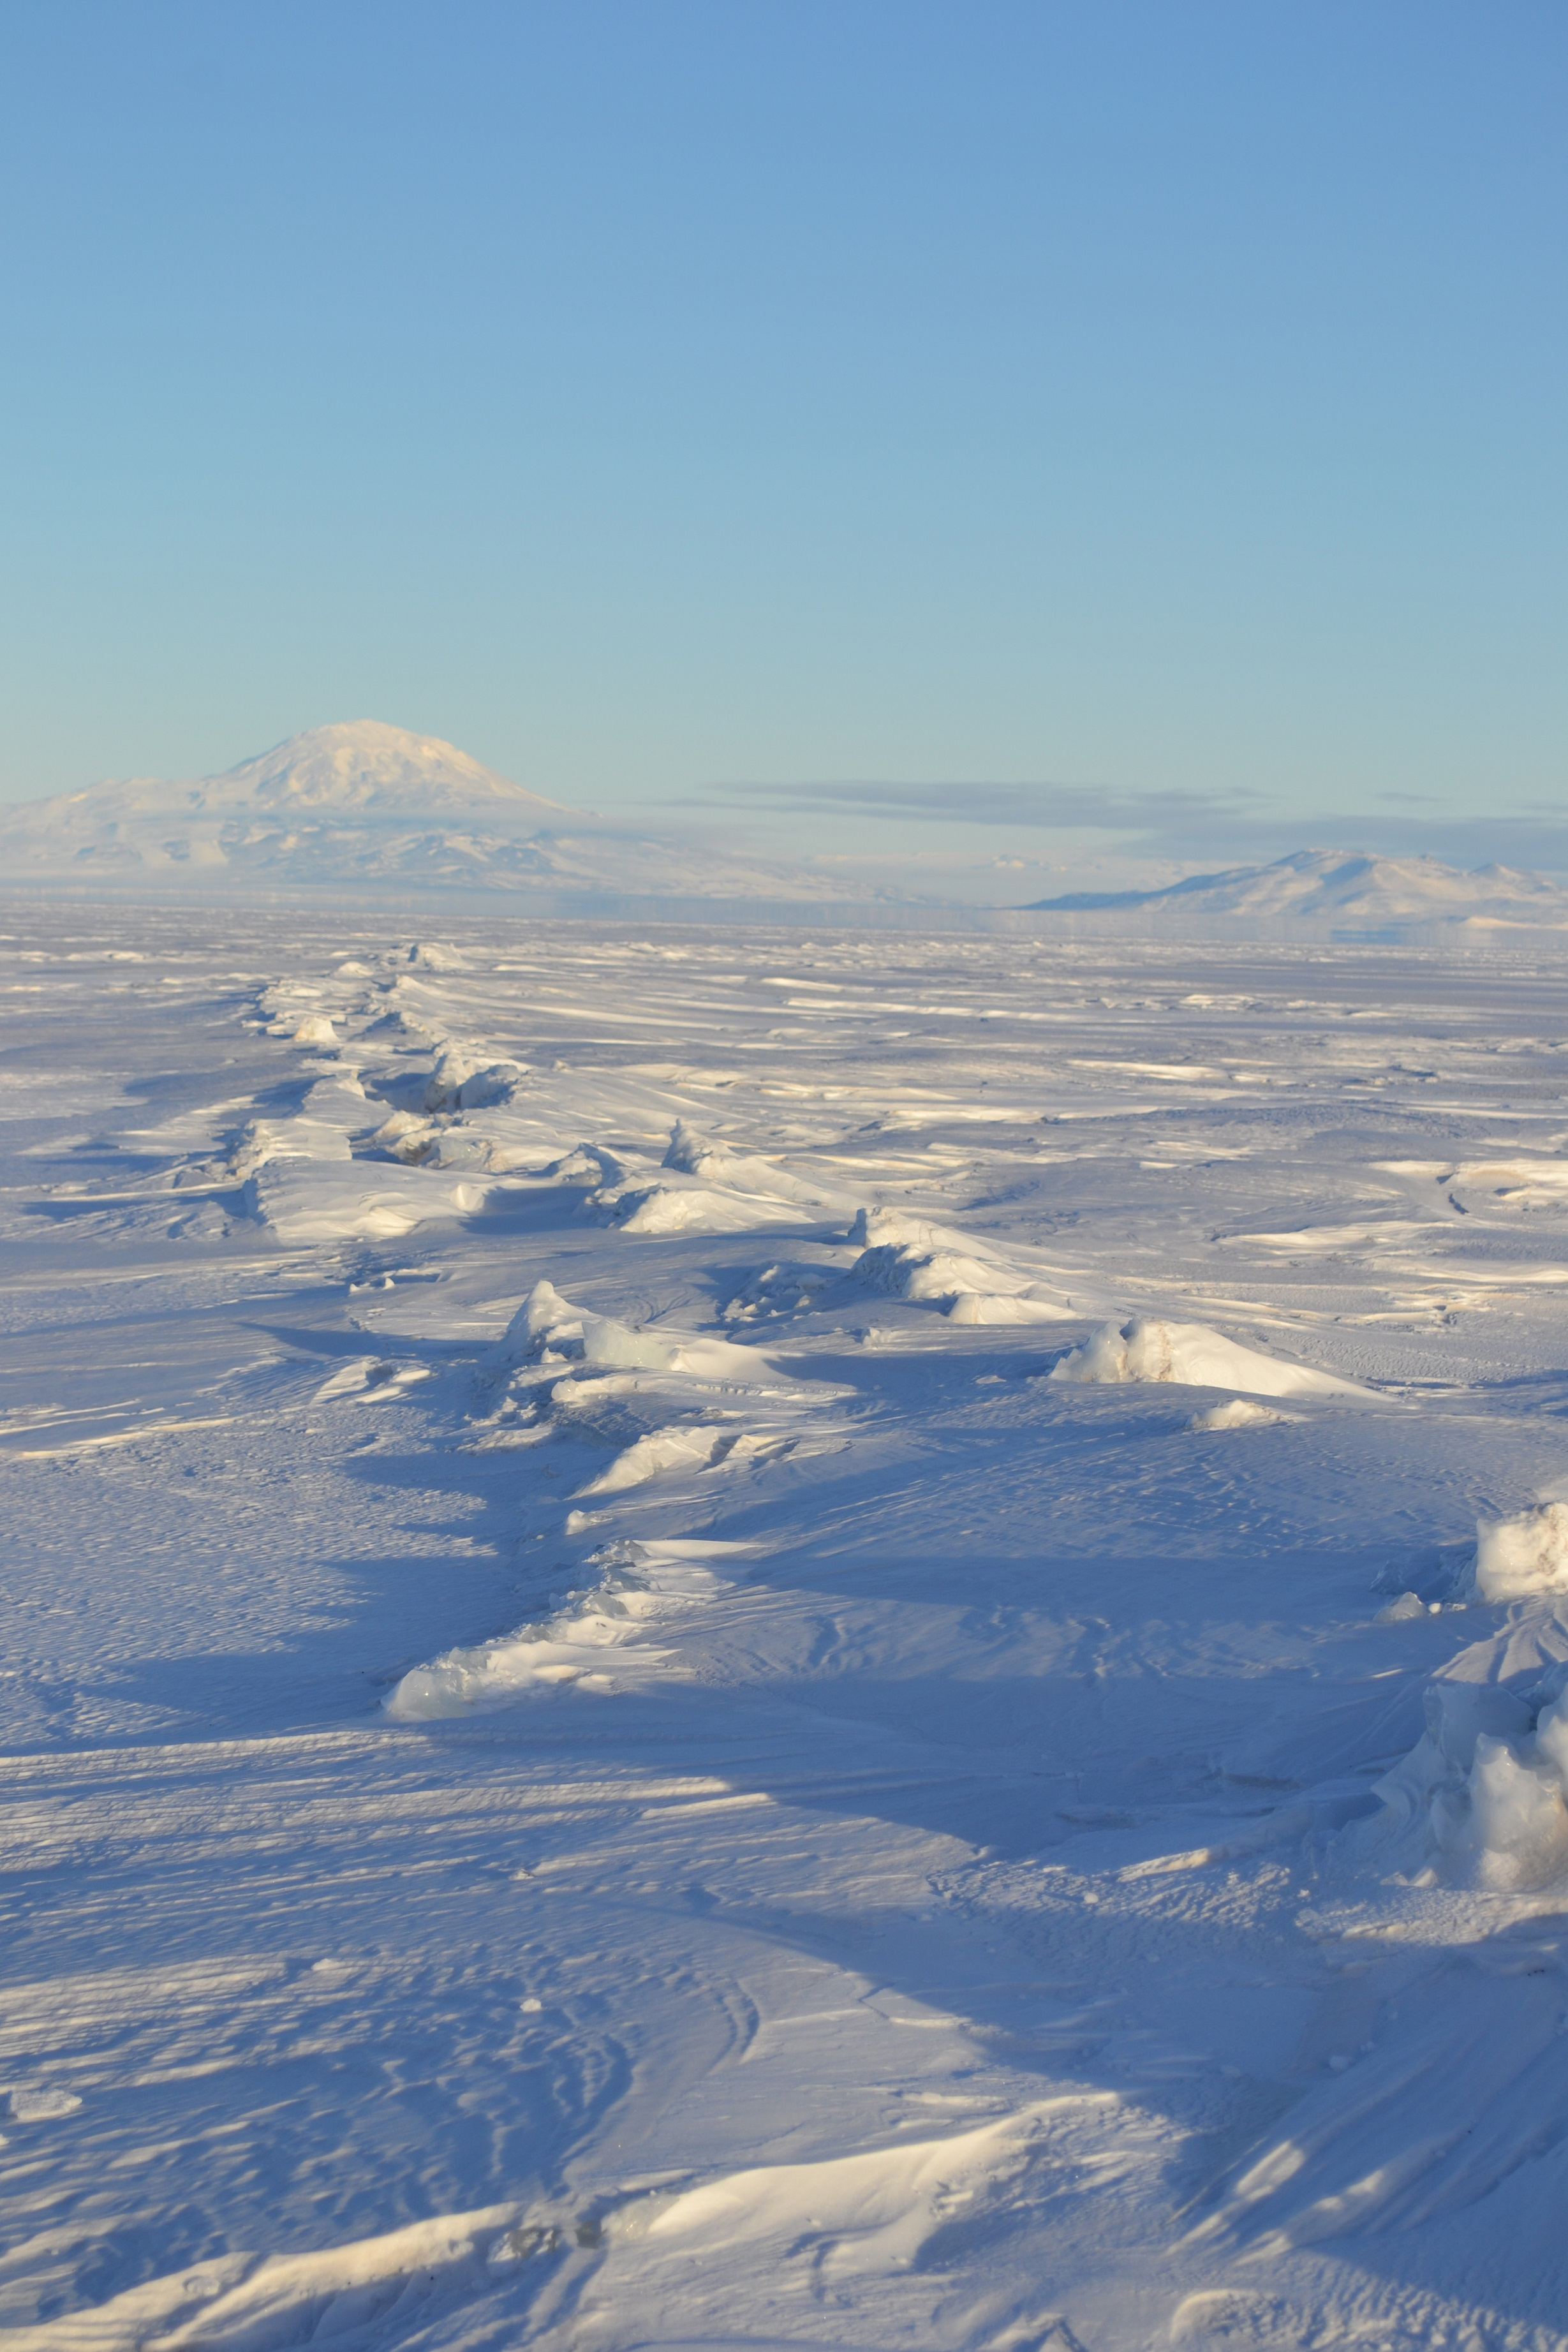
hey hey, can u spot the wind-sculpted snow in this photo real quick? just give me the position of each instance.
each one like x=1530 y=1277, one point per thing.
x=742 y=1638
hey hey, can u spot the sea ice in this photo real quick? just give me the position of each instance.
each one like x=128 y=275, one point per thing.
x=562 y=1780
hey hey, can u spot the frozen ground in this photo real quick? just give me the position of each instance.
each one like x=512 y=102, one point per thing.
x=725 y=1639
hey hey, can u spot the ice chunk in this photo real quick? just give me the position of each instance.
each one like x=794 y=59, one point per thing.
x=401 y=1123
x=404 y=1136
x=315 y=1030
x=1459 y=1713
x=1518 y=1823
x=1481 y=1800
x=493 y=1084
x=1193 y=1356
x=452 y=1071
x=544 y=1316
x=1527 y=1553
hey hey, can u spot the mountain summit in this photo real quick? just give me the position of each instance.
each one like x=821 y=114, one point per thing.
x=373 y=769
x=362 y=770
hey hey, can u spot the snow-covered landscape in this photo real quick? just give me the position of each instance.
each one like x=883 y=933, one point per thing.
x=757 y=1636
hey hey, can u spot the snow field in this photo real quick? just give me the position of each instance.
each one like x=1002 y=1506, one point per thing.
x=777 y=1788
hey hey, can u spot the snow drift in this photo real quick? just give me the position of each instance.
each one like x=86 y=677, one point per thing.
x=1192 y=1356
x=904 y=1258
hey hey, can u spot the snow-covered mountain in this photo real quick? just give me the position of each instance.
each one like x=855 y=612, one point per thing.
x=366 y=806
x=1333 y=892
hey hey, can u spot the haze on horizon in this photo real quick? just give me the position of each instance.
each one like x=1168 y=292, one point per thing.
x=1049 y=433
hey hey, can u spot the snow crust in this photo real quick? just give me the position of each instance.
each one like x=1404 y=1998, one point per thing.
x=727 y=1636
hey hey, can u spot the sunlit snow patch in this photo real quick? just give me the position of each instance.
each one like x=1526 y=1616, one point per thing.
x=43 y=2107
x=872 y=2210
x=1193 y=1356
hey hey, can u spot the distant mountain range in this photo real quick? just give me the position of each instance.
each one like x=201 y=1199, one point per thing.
x=367 y=809
x=1338 y=892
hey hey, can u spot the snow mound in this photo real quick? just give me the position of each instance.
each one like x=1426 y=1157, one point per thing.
x=1239 y=1413
x=431 y=955
x=780 y=1289
x=876 y=2208
x=656 y=1209
x=1521 y=1556
x=694 y=1154
x=596 y=1643
x=315 y=1030
x=651 y=1456
x=999 y=1307
x=905 y=1258
x=546 y=1322
x=711 y=1189
x=370 y=1379
x=1193 y=1356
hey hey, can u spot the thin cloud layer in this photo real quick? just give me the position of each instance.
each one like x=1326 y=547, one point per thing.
x=1050 y=805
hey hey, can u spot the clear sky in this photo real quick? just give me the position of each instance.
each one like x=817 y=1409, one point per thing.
x=1158 y=406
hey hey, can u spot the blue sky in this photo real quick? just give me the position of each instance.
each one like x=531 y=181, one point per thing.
x=948 y=422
